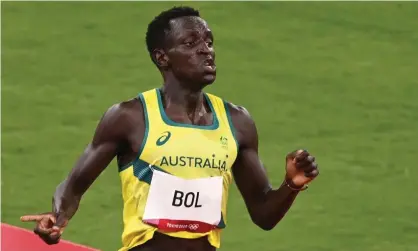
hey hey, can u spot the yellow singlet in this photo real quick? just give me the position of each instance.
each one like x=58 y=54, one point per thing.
x=182 y=150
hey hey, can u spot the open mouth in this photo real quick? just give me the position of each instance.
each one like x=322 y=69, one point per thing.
x=209 y=64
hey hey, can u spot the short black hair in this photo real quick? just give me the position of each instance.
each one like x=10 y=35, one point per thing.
x=156 y=33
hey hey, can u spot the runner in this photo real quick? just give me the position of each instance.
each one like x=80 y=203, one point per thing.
x=178 y=149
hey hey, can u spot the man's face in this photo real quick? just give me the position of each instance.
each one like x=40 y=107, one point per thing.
x=190 y=53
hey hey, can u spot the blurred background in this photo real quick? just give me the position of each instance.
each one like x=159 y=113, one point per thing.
x=337 y=78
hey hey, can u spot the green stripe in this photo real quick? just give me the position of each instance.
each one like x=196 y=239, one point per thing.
x=143 y=172
x=144 y=141
x=222 y=222
x=168 y=121
x=231 y=125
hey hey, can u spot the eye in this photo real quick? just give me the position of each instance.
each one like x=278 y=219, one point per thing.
x=189 y=43
x=209 y=43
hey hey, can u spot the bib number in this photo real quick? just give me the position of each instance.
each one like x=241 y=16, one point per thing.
x=176 y=204
x=189 y=199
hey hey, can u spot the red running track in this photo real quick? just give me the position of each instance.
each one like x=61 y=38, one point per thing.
x=19 y=239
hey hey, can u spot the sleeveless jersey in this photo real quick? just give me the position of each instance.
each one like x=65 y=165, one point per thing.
x=182 y=150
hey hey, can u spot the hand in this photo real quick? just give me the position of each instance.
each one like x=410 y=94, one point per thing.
x=301 y=168
x=48 y=228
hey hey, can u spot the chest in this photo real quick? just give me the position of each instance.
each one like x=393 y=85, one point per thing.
x=190 y=153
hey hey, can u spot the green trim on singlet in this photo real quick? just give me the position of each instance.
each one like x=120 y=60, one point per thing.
x=142 y=170
x=221 y=224
x=231 y=125
x=168 y=121
x=144 y=140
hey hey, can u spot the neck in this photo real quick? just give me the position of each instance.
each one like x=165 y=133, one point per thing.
x=177 y=96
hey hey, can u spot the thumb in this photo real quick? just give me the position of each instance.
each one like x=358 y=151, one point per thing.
x=60 y=224
x=292 y=155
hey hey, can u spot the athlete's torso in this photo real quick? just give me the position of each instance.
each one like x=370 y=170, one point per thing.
x=181 y=150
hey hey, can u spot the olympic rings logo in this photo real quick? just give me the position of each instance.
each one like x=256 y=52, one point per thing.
x=193 y=226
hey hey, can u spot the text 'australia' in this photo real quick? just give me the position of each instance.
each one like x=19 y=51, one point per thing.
x=187 y=161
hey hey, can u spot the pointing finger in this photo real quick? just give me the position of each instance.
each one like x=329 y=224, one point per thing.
x=27 y=218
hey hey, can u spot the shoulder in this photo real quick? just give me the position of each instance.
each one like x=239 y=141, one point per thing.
x=124 y=110
x=244 y=125
x=120 y=118
x=239 y=113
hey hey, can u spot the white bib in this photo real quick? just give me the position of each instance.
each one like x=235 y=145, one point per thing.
x=177 y=204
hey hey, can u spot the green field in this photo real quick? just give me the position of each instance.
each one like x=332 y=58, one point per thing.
x=340 y=79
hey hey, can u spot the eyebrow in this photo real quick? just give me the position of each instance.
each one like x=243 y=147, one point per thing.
x=191 y=32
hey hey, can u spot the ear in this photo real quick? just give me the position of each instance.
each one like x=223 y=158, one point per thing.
x=160 y=58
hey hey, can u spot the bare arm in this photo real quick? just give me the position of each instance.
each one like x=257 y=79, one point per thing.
x=114 y=135
x=266 y=206
x=110 y=134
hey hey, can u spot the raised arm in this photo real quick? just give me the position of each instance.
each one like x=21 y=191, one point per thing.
x=266 y=206
x=111 y=135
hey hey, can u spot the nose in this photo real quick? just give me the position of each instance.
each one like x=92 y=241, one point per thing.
x=204 y=48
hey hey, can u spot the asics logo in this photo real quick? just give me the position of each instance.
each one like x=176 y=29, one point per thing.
x=164 y=138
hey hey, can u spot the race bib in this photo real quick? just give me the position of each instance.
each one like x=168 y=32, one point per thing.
x=177 y=204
